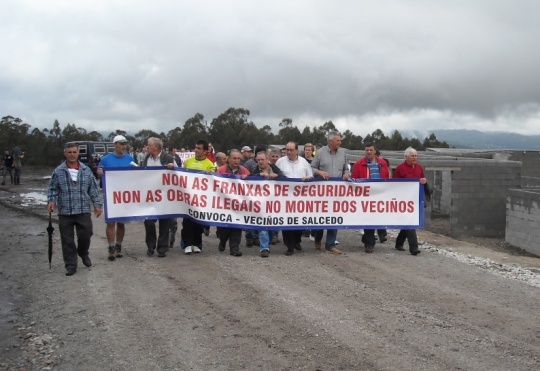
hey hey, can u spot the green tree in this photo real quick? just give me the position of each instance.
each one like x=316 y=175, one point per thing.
x=174 y=138
x=13 y=132
x=351 y=141
x=433 y=142
x=288 y=132
x=231 y=129
x=140 y=139
x=194 y=129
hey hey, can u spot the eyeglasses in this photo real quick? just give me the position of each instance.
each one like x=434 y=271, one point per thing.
x=290 y=149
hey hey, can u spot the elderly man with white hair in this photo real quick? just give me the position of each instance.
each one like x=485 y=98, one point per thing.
x=157 y=156
x=409 y=169
x=330 y=162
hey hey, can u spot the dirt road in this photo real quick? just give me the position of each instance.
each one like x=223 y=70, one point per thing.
x=383 y=311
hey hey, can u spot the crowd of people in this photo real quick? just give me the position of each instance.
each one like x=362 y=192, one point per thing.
x=73 y=191
x=12 y=165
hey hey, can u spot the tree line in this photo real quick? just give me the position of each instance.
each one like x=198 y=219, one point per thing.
x=231 y=129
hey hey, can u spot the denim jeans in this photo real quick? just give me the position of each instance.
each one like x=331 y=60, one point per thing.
x=264 y=240
x=331 y=236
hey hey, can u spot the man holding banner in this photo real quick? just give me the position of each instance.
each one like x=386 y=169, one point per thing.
x=409 y=169
x=293 y=166
x=370 y=167
x=157 y=157
x=119 y=158
x=330 y=162
x=192 y=231
x=233 y=235
x=269 y=171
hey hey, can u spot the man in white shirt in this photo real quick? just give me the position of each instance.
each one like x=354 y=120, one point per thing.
x=293 y=166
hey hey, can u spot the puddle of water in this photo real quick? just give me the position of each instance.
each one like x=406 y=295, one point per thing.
x=33 y=198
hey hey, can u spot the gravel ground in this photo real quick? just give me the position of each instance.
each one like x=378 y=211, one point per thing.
x=459 y=305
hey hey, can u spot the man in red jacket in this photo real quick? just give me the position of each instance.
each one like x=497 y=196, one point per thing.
x=370 y=167
x=409 y=169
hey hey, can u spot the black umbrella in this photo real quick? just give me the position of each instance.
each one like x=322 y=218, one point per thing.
x=50 y=230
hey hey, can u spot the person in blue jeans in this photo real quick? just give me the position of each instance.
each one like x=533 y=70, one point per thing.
x=268 y=171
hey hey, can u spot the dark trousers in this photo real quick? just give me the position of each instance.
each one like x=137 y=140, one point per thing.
x=173 y=227
x=7 y=170
x=369 y=238
x=17 y=176
x=68 y=225
x=162 y=240
x=291 y=238
x=252 y=234
x=191 y=233
x=410 y=235
x=233 y=235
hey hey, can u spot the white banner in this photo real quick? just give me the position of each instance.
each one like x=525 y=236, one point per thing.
x=185 y=155
x=155 y=192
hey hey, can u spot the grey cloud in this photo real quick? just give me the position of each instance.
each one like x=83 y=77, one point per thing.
x=138 y=64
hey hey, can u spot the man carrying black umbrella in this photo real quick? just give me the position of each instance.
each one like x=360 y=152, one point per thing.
x=72 y=187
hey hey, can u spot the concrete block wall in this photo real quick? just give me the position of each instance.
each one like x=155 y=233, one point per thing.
x=530 y=182
x=442 y=185
x=472 y=191
x=478 y=197
x=523 y=219
x=530 y=161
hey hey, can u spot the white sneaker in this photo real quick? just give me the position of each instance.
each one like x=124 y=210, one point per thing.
x=187 y=250
x=312 y=238
x=196 y=249
x=337 y=242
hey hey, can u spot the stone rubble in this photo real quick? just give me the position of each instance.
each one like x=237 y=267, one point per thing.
x=504 y=270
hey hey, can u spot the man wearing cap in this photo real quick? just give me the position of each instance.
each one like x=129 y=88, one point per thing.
x=119 y=158
x=247 y=153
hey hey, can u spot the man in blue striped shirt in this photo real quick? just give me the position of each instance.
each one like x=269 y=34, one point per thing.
x=72 y=188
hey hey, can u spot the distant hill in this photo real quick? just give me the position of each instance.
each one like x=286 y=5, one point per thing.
x=485 y=140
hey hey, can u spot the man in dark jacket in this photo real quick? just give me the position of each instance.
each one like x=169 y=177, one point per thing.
x=269 y=171
x=7 y=166
x=156 y=156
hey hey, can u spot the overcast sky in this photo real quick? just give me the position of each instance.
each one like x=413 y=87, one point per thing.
x=365 y=65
